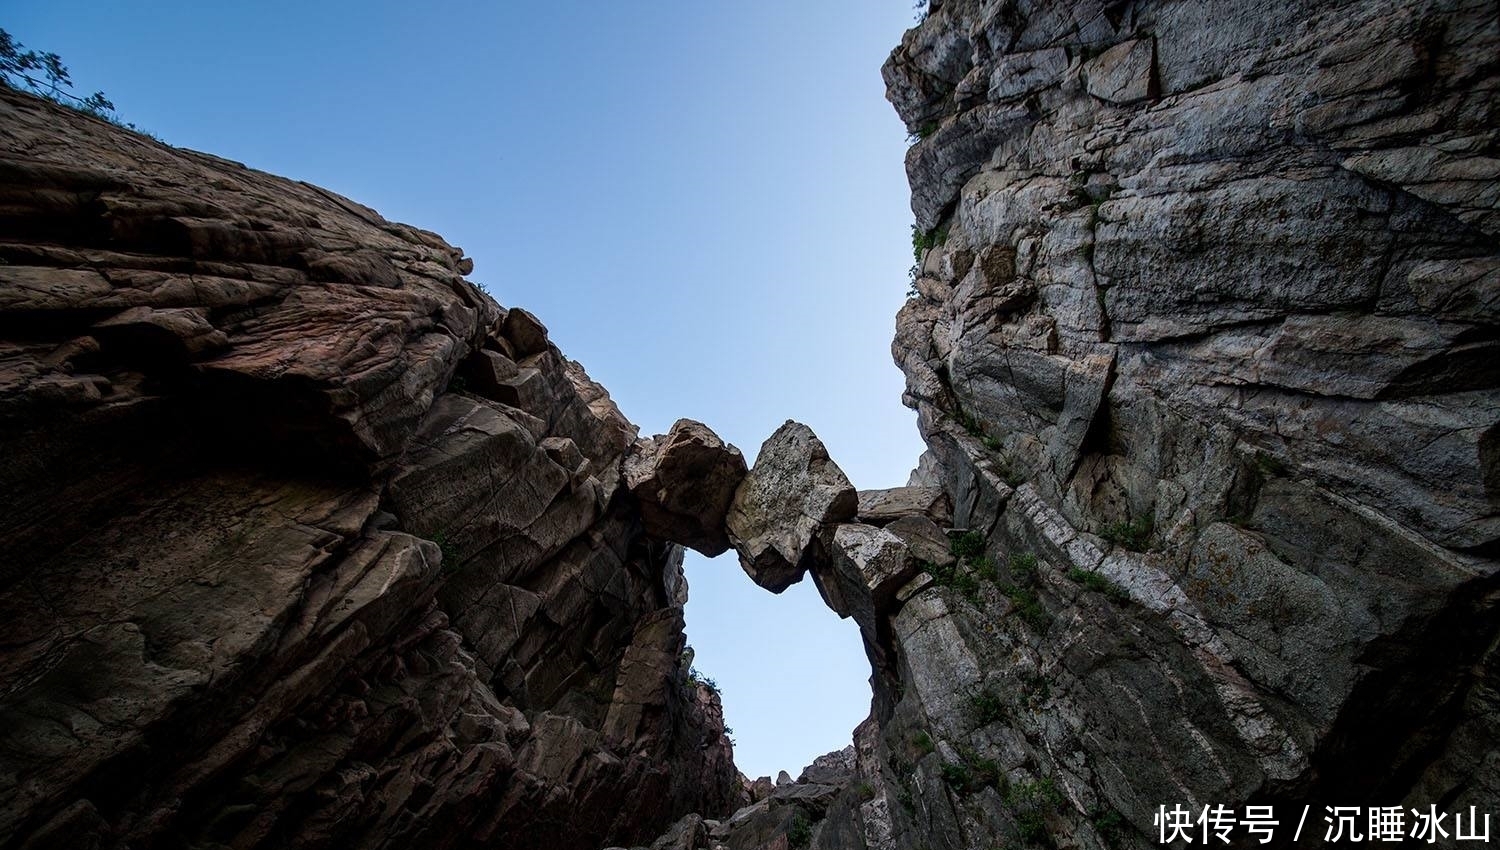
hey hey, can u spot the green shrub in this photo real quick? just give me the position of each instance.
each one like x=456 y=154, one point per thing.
x=1110 y=825
x=923 y=241
x=985 y=570
x=955 y=775
x=1099 y=584
x=1131 y=535
x=973 y=773
x=922 y=742
x=1032 y=802
x=986 y=708
x=799 y=834
x=448 y=548
x=1029 y=607
x=1023 y=565
x=967 y=544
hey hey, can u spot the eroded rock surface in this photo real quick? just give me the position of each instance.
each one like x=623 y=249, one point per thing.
x=685 y=480
x=793 y=491
x=1204 y=355
x=305 y=541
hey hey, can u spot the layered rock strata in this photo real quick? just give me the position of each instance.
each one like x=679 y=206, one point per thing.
x=305 y=541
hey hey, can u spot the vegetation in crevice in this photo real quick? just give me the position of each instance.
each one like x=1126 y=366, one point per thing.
x=1133 y=535
x=1099 y=583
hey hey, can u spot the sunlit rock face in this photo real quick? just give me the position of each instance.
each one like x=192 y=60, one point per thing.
x=305 y=541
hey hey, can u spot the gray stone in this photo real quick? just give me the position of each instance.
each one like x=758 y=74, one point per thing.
x=791 y=493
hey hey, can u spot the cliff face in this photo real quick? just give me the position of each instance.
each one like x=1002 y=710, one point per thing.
x=305 y=541
x=1205 y=353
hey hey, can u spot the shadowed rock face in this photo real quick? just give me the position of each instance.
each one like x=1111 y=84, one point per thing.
x=305 y=541
x=1205 y=358
x=685 y=481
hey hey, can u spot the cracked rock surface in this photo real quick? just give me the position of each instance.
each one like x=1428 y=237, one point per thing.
x=306 y=541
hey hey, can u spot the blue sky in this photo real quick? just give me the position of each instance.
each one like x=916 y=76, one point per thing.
x=704 y=202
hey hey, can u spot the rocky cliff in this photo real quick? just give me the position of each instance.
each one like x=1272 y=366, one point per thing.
x=1204 y=346
x=306 y=542
x=309 y=543
x=1203 y=341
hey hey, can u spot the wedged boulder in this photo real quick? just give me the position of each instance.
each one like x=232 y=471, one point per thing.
x=684 y=481
x=793 y=491
x=865 y=567
x=878 y=507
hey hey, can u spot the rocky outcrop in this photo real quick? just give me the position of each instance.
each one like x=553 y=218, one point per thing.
x=685 y=481
x=1203 y=352
x=1202 y=343
x=793 y=492
x=307 y=542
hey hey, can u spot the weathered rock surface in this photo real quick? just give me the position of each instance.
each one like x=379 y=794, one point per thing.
x=1204 y=356
x=793 y=491
x=305 y=541
x=878 y=507
x=1204 y=359
x=685 y=480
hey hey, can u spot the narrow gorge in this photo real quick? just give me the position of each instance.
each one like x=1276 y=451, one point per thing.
x=307 y=542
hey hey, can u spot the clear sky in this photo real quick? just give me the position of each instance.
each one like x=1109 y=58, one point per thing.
x=704 y=202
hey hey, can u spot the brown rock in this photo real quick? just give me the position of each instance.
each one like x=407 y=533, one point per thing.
x=685 y=480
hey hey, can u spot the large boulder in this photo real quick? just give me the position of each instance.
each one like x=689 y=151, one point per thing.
x=792 y=492
x=684 y=481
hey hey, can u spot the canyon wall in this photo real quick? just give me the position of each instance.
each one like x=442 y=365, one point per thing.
x=1205 y=350
x=304 y=540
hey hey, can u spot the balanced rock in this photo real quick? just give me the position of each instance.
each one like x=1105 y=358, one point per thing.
x=685 y=480
x=793 y=490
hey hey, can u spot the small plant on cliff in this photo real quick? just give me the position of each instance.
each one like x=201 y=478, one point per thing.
x=1032 y=803
x=44 y=74
x=799 y=833
x=1131 y=535
x=927 y=128
x=1023 y=566
x=1026 y=604
x=923 y=241
x=698 y=679
x=973 y=773
x=1099 y=584
x=922 y=742
x=448 y=548
x=986 y=708
x=967 y=544
x=1110 y=825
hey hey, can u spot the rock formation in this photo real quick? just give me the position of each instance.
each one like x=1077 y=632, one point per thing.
x=792 y=492
x=309 y=543
x=1202 y=341
x=306 y=542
